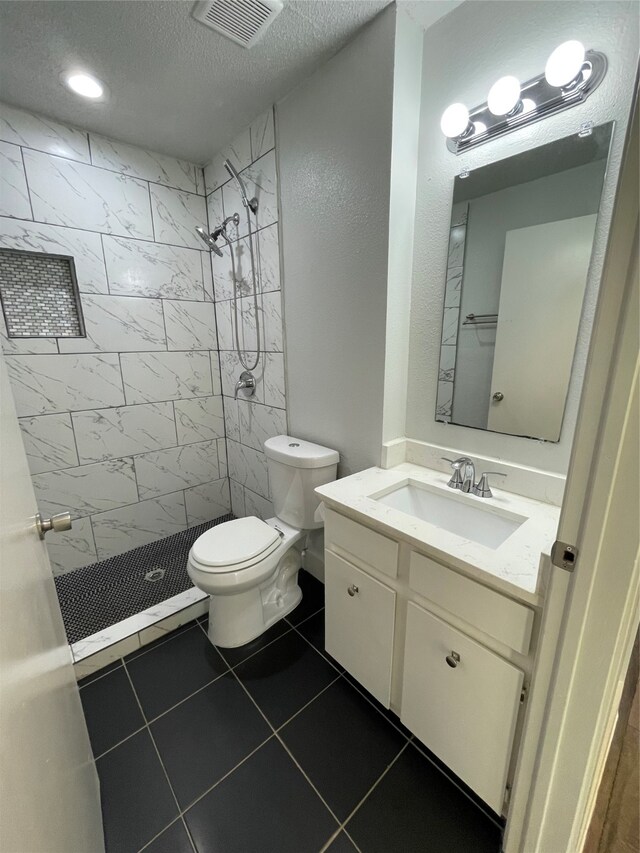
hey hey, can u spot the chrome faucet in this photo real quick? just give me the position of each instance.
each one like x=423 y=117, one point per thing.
x=246 y=382
x=464 y=474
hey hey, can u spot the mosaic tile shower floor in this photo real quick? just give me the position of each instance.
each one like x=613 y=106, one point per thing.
x=97 y=596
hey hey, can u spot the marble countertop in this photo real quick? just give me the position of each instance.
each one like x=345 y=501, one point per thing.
x=513 y=567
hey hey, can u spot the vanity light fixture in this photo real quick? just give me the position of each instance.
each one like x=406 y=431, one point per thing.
x=85 y=85
x=571 y=74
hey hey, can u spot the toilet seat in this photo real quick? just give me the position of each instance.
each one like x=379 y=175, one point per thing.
x=234 y=545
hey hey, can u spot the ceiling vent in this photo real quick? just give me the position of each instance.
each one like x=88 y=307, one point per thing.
x=242 y=21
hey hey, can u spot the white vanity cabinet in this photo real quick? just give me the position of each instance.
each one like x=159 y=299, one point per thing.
x=447 y=653
x=462 y=701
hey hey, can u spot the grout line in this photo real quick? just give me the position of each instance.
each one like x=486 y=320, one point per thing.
x=26 y=181
x=443 y=772
x=305 y=706
x=142 y=728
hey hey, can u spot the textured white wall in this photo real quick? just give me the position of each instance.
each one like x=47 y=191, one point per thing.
x=463 y=55
x=334 y=145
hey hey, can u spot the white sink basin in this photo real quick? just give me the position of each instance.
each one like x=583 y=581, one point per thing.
x=464 y=515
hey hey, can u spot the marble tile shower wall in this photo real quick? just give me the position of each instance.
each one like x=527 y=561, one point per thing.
x=124 y=428
x=250 y=421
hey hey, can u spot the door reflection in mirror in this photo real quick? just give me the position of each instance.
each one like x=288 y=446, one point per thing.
x=520 y=244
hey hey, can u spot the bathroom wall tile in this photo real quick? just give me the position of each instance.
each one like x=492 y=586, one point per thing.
x=231 y=419
x=238 y=151
x=49 y=442
x=119 y=324
x=208 y=501
x=262 y=134
x=215 y=211
x=444 y=402
x=207 y=276
x=72 y=549
x=150 y=166
x=43 y=134
x=150 y=377
x=199 y=175
x=86 y=489
x=269 y=310
x=84 y=247
x=260 y=181
x=257 y=505
x=223 y=272
x=450 y=326
x=230 y=370
x=222 y=457
x=200 y=419
x=271 y=390
x=190 y=325
x=258 y=423
x=175 y=216
x=129 y=527
x=224 y=320
x=215 y=373
x=43 y=384
x=110 y=433
x=165 y=471
x=447 y=364
x=64 y=192
x=248 y=467
x=215 y=175
x=237 y=499
x=14 y=196
x=268 y=249
x=457 y=237
x=453 y=287
x=139 y=268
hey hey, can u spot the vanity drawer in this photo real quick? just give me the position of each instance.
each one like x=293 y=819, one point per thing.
x=505 y=620
x=359 y=620
x=464 y=710
x=366 y=545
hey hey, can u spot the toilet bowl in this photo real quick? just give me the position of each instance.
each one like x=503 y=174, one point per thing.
x=249 y=567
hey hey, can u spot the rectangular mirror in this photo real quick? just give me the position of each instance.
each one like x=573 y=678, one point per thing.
x=519 y=251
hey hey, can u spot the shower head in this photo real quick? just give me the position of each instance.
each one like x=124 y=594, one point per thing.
x=250 y=203
x=208 y=239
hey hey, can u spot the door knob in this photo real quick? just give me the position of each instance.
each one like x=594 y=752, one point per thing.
x=58 y=523
x=352 y=590
x=498 y=396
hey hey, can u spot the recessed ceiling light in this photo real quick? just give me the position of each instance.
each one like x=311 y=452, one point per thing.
x=84 y=85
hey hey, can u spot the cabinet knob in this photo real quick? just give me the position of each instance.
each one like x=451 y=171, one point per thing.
x=453 y=659
x=352 y=590
x=498 y=397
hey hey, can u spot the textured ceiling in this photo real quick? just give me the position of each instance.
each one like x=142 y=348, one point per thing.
x=175 y=86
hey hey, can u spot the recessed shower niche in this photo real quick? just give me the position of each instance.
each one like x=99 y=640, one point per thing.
x=39 y=295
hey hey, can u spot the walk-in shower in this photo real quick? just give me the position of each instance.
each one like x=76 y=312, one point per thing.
x=211 y=240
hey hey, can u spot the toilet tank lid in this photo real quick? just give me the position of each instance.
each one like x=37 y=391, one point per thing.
x=299 y=453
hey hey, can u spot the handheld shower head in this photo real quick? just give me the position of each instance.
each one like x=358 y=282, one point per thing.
x=250 y=203
x=209 y=239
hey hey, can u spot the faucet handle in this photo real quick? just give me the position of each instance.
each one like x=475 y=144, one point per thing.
x=481 y=488
x=456 y=480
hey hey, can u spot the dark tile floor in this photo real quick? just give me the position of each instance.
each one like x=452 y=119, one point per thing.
x=270 y=748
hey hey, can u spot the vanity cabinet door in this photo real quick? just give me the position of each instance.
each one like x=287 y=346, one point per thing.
x=462 y=701
x=359 y=621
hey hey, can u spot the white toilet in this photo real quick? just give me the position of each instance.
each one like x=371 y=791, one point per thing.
x=250 y=567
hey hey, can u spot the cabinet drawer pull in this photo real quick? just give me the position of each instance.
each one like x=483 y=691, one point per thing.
x=453 y=659
x=352 y=590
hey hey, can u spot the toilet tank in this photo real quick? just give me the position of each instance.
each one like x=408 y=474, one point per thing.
x=296 y=467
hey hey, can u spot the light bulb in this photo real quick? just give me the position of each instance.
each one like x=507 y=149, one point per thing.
x=85 y=85
x=504 y=95
x=565 y=63
x=455 y=120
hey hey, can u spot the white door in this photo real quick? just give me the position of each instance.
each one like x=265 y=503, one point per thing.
x=543 y=282
x=49 y=793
